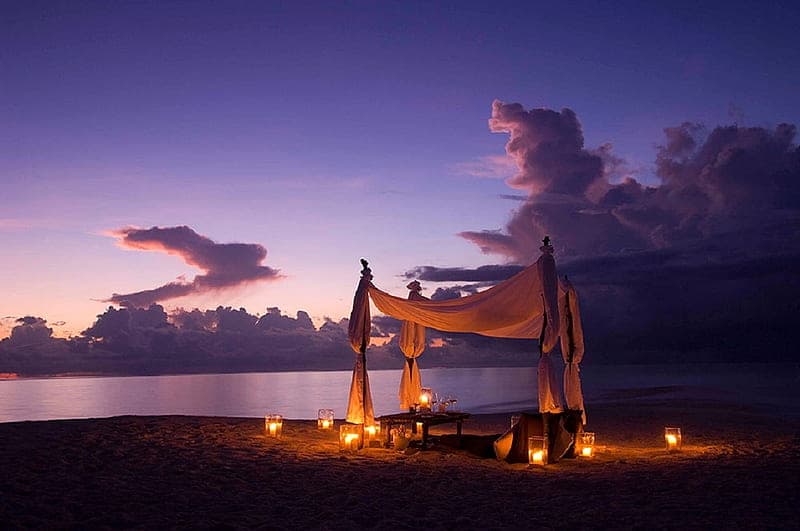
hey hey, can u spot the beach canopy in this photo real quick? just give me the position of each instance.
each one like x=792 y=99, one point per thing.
x=526 y=306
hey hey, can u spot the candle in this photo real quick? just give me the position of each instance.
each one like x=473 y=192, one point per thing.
x=587 y=444
x=350 y=437
x=536 y=457
x=325 y=419
x=673 y=438
x=537 y=451
x=273 y=425
x=351 y=441
x=425 y=398
x=371 y=435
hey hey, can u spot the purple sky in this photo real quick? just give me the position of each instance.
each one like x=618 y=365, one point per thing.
x=323 y=132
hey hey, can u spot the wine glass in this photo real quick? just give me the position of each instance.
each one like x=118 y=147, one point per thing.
x=453 y=402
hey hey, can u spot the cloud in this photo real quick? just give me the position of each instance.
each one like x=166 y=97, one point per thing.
x=490 y=167
x=700 y=266
x=487 y=273
x=455 y=292
x=224 y=265
x=589 y=202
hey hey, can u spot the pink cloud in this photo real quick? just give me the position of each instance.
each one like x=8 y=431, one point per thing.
x=224 y=265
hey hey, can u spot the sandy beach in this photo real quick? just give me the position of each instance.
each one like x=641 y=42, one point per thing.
x=738 y=469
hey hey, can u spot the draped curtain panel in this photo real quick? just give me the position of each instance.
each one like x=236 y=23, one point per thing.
x=572 y=347
x=513 y=308
x=412 y=343
x=359 y=404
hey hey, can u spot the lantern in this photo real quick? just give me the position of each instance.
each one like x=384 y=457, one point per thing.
x=537 y=451
x=273 y=425
x=673 y=438
x=425 y=399
x=325 y=419
x=587 y=444
x=350 y=437
x=399 y=438
x=372 y=435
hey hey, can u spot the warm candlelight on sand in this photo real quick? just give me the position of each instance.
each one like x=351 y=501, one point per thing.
x=537 y=451
x=325 y=419
x=350 y=437
x=673 y=439
x=587 y=444
x=273 y=424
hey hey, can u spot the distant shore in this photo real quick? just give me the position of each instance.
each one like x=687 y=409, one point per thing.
x=737 y=469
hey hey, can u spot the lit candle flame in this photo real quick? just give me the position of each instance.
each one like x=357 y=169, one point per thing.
x=586 y=451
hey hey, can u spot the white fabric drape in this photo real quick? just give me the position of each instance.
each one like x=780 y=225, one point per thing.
x=513 y=308
x=572 y=347
x=549 y=393
x=359 y=404
x=412 y=343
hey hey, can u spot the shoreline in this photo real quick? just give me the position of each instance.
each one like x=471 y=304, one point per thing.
x=736 y=470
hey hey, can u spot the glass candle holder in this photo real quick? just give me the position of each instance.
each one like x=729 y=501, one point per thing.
x=350 y=437
x=537 y=451
x=325 y=419
x=425 y=399
x=372 y=435
x=587 y=444
x=672 y=436
x=273 y=425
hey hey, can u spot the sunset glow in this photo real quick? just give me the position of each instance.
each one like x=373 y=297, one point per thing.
x=251 y=168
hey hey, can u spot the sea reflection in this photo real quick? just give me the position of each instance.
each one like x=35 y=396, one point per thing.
x=299 y=395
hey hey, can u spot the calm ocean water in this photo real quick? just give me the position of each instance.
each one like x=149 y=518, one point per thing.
x=300 y=394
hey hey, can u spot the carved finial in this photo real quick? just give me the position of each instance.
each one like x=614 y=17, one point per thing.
x=366 y=271
x=547 y=247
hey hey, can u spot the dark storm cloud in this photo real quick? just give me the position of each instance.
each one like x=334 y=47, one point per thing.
x=711 y=182
x=224 y=265
x=455 y=292
x=487 y=273
x=30 y=330
x=700 y=267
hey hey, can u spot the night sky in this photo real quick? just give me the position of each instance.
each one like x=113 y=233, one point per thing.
x=247 y=154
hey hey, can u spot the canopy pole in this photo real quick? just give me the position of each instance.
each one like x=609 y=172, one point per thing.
x=363 y=391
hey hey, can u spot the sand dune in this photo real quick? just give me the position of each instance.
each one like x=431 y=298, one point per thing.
x=738 y=469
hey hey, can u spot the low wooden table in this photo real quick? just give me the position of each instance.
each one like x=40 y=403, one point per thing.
x=427 y=419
